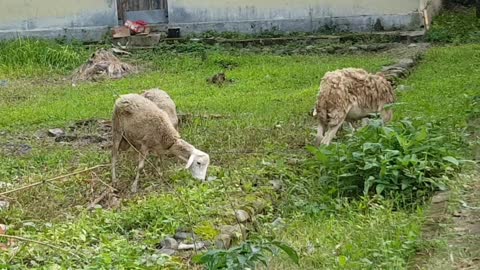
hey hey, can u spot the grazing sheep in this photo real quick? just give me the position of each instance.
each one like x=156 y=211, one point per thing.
x=164 y=102
x=138 y=122
x=348 y=95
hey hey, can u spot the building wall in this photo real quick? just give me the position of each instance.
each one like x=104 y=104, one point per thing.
x=50 y=18
x=431 y=8
x=294 y=15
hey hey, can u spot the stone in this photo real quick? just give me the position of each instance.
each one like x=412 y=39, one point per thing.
x=293 y=161
x=197 y=246
x=278 y=223
x=169 y=243
x=353 y=48
x=277 y=184
x=406 y=63
x=242 y=216
x=56 y=132
x=441 y=197
x=413 y=45
x=223 y=241
x=145 y=41
x=363 y=47
x=120 y=31
x=236 y=231
x=4 y=205
x=166 y=251
x=259 y=205
x=66 y=138
x=184 y=235
x=5 y=185
x=330 y=49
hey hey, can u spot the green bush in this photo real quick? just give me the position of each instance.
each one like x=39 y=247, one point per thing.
x=407 y=158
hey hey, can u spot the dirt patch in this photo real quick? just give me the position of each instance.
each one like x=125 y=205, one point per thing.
x=16 y=149
x=83 y=133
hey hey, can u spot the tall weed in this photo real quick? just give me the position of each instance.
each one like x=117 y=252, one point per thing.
x=35 y=57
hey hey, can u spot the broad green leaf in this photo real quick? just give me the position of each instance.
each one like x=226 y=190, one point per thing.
x=380 y=188
x=452 y=160
x=288 y=250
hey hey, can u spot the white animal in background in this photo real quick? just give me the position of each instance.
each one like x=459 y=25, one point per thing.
x=350 y=94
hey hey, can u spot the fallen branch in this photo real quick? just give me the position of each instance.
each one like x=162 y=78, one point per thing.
x=38 y=242
x=99 y=198
x=52 y=179
x=105 y=184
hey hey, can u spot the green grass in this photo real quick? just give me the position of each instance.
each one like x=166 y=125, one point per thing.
x=266 y=111
x=26 y=57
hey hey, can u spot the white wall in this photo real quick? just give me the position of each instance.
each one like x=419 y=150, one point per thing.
x=189 y=11
x=47 y=14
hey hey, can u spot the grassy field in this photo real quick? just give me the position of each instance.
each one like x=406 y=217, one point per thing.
x=262 y=134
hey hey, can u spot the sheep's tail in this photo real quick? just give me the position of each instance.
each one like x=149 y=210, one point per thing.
x=119 y=141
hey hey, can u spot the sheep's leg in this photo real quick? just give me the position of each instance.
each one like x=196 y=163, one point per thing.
x=141 y=164
x=330 y=134
x=320 y=133
x=386 y=115
x=117 y=138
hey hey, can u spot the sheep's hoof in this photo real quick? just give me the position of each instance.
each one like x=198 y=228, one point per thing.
x=134 y=188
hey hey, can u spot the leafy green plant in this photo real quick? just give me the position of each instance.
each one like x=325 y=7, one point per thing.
x=246 y=256
x=408 y=158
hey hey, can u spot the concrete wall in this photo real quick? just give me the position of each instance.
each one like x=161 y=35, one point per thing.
x=52 y=18
x=294 y=15
x=430 y=9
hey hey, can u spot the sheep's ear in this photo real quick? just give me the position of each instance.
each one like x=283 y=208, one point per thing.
x=190 y=161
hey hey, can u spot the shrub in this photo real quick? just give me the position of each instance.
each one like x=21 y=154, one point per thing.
x=405 y=158
x=455 y=27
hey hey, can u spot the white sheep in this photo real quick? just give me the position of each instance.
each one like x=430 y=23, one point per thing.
x=138 y=122
x=164 y=102
x=350 y=94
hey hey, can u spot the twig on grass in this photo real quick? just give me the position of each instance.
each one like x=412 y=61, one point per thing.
x=52 y=179
x=39 y=243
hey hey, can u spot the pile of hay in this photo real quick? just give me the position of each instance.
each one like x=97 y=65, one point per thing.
x=103 y=64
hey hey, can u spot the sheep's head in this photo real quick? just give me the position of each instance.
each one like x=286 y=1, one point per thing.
x=198 y=164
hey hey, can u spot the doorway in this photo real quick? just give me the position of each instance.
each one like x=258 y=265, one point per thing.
x=150 y=11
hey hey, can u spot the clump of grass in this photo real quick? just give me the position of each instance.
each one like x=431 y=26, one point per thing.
x=25 y=57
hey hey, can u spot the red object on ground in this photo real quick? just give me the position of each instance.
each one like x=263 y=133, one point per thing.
x=136 y=27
